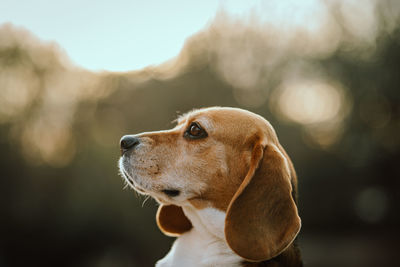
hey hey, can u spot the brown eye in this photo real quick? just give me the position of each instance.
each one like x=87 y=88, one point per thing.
x=195 y=131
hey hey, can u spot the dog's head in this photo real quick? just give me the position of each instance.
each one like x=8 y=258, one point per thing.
x=226 y=158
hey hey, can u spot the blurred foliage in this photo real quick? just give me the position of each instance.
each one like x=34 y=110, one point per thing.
x=331 y=92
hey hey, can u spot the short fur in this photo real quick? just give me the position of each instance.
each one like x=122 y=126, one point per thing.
x=237 y=190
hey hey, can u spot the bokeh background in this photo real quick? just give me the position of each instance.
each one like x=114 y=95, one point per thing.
x=326 y=75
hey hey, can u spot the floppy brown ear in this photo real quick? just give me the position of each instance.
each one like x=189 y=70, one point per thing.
x=172 y=221
x=262 y=218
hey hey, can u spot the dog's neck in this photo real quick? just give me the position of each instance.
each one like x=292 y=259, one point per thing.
x=204 y=244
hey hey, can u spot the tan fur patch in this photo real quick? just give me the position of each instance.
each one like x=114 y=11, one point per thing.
x=214 y=171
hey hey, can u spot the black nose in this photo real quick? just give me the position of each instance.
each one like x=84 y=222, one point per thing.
x=127 y=142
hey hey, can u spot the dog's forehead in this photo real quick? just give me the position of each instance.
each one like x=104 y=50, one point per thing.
x=229 y=125
x=224 y=118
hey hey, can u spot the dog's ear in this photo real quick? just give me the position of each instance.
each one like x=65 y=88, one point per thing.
x=172 y=221
x=262 y=218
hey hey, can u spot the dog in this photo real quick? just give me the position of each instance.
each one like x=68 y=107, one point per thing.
x=225 y=185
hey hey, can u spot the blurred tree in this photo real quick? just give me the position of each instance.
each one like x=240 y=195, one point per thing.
x=62 y=202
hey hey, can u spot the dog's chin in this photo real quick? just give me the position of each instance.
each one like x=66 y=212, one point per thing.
x=163 y=195
x=138 y=189
x=131 y=182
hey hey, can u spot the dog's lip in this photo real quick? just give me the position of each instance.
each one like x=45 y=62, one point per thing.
x=131 y=182
x=171 y=192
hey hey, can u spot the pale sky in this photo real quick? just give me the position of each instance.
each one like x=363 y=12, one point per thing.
x=124 y=35
x=118 y=35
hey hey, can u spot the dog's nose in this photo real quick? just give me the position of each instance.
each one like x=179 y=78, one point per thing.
x=127 y=142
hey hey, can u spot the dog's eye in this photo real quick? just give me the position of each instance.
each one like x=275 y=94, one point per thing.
x=194 y=131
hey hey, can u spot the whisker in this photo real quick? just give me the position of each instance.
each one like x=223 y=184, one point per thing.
x=126 y=185
x=146 y=198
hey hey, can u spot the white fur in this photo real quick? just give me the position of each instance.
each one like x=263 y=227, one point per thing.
x=204 y=245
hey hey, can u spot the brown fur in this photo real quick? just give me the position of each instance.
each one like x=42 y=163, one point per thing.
x=262 y=214
x=172 y=221
x=240 y=169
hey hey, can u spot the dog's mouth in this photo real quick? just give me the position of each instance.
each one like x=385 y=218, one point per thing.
x=157 y=192
x=131 y=182
x=171 y=192
x=168 y=192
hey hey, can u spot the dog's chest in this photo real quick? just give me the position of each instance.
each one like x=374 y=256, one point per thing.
x=204 y=244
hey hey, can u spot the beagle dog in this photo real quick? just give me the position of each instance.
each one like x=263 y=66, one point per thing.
x=226 y=188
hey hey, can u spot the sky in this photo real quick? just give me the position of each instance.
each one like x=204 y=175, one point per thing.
x=118 y=35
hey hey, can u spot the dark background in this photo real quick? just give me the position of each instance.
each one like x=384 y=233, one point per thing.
x=62 y=202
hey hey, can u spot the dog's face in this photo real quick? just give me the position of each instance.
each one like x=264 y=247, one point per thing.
x=225 y=158
x=201 y=161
